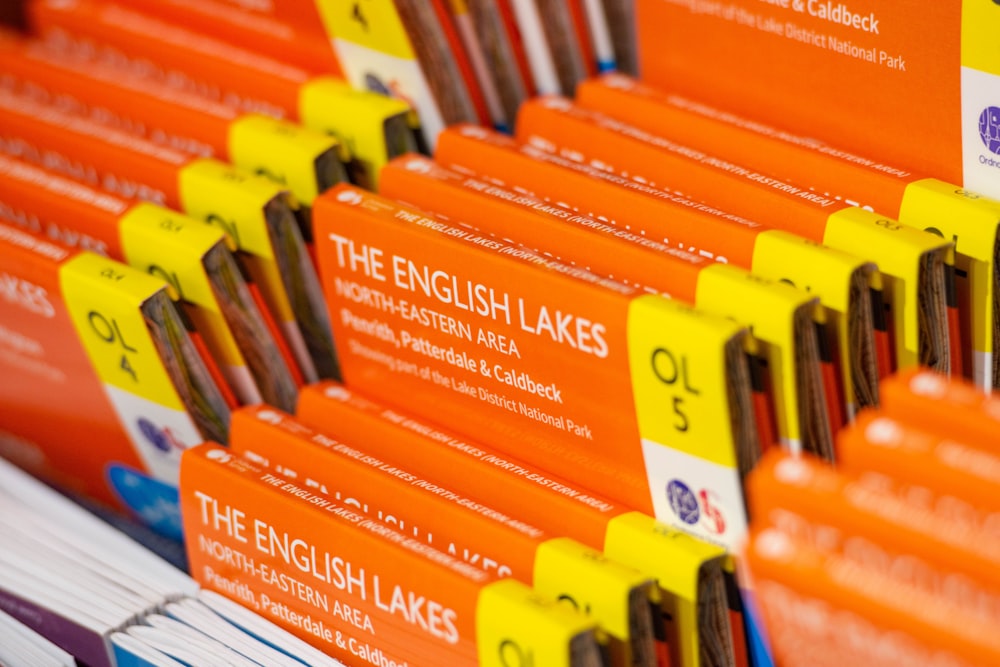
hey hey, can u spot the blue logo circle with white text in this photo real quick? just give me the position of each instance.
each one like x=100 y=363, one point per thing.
x=989 y=128
x=154 y=435
x=683 y=502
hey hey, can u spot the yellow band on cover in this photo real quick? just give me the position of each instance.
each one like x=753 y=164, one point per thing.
x=172 y=246
x=650 y=546
x=281 y=151
x=104 y=299
x=588 y=581
x=820 y=271
x=980 y=21
x=971 y=222
x=374 y=24
x=674 y=559
x=231 y=199
x=680 y=360
x=516 y=625
x=769 y=308
x=897 y=249
x=358 y=118
x=679 y=377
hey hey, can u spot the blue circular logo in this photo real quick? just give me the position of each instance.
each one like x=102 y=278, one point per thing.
x=154 y=435
x=989 y=128
x=683 y=502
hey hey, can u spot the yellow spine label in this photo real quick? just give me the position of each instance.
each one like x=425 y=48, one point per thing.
x=679 y=377
x=517 y=626
x=589 y=581
x=374 y=24
x=769 y=309
x=820 y=271
x=897 y=249
x=953 y=213
x=357 y=118
x=980 y=23
x=104 y=299
x=172 y=246
x=817 y=270
x=674 y=559
x=232 y=199
x=680 y=363
x=971 y=222
x=282 y=151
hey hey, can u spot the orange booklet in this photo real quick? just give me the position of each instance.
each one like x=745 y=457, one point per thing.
x=305 y=161
x=911 y=261
x=947 y=406
x=253 y=211
x=373 y=127
x=353 y=587
x=274 y=29
x=925 y=203
x=689 y=572
x=102 y=386
x=783 y=319
x=824 y=610
x=917 y=88
x=568 y=370
x=617 y=597
x=914 y=544
x=842 y=282
x=963 y=469
x=192 y=257
x=882 y=521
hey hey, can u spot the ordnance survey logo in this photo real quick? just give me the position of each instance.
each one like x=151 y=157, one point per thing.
x=989 y=128
x=683 y=502
x=696 y=508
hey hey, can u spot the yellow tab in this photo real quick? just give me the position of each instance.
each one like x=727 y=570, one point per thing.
x=284 y=152
x=971 y=222
x=897 y=249
x=373 y=127
x=769 y=309
x=674 y=559
x=589 y=581
x=172 y=246
x=953 y=213
x=980 y=27
x=104 y=299
x=231 y=199
x=517 y=626
x=374 y=24
x=819 y=271
x=679 y=378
